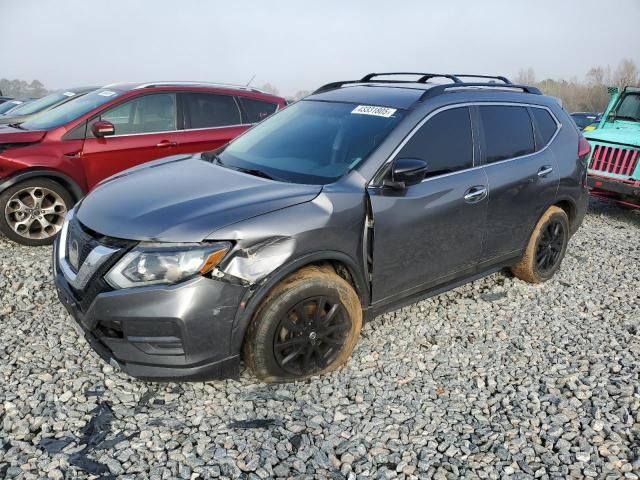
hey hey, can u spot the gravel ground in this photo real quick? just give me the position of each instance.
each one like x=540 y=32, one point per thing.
x=498 y=378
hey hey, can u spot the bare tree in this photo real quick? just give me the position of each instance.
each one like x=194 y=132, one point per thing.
x=267 y=87
x=626 y=74
x=526 y=76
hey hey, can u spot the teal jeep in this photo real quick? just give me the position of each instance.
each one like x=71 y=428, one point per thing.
x=614 y=165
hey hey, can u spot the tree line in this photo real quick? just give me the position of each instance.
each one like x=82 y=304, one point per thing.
x=589 y=94
x=22 y=89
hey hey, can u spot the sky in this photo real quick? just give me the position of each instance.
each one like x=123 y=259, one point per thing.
x=300 y=45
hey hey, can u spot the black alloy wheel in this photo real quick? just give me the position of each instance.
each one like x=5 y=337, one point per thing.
x=550 y=246
x=311 y=335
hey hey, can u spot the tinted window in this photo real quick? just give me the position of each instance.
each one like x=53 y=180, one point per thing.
x=310 y=142
x=445 y=142
x=507 y=132
x=545 y=126
x=582 y=120
x=256 y=110
x=204 y=110
x=145 y=114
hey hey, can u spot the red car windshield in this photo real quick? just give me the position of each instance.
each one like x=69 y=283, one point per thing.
x=71 y=110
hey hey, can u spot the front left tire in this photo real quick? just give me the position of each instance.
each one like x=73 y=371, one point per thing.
x=307 y=325
x=32 y=212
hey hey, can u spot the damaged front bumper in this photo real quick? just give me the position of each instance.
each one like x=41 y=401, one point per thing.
x=178 y=332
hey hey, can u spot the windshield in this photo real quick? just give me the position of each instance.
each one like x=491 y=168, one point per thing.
x=629 y=107
x=311 y=142
x=42 y=103
x=9 y=105
x=70 y=110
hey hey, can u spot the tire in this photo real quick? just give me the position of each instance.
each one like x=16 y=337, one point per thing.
x=546 y=247
x=288 y=313
x=23 y=211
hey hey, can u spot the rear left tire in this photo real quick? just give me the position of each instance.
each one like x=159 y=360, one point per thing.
x=546 y=247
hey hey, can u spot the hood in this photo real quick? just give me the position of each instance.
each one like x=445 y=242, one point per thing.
x=625 y=133
x=7 y=119
x=183 y=201
x=15 y=135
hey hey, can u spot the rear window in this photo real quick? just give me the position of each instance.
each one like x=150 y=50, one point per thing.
x=545 y=126
x=256 y=110
x=507 y=132
x=207 y=110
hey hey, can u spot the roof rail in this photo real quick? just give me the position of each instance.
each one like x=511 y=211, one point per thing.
x=496 y=77
x=456 y=80
x=211 y=84
x=440 y=89
x=423 y=76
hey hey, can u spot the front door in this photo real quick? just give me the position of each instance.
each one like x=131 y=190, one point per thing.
x=431 y=232
x=145 y=130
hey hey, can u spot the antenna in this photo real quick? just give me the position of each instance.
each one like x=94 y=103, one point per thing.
x=249 y=82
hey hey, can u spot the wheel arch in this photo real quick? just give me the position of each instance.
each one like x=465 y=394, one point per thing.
x=66 y=181
x=342 y=263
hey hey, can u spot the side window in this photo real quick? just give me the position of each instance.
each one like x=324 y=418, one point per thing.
x=545 y=126
x=206 y=110
x=145 y=114
x=507 y=132
x=445 y=142
x=256 y=110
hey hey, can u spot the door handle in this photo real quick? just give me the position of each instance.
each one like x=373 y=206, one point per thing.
x=166 y=143
x=545 y=170
x=475 y=194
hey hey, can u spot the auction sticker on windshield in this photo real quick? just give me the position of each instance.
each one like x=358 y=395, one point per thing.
x=372 y=110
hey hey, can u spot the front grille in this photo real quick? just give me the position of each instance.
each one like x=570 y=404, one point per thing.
x=86 y=240
x=79 y=239
x=619 y=161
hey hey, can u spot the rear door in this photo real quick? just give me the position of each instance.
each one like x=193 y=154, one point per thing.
x=427 y=234
x=210 y=121
x=522 y=173
x=145 y=129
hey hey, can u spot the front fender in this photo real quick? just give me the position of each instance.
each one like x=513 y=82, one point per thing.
x=76 y=190
x=258 y=292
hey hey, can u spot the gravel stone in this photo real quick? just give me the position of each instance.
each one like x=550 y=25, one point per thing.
x=497 y=378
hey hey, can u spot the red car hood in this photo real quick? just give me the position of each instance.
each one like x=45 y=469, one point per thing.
x=15 y=135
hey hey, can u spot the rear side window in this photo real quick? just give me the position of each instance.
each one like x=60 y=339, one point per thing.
x=545 y=126
x=256 y=110
x=445 y=142
x=144 y=114
x=507 y=132
x=207 y=110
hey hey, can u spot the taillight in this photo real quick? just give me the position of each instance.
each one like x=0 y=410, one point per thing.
x=583 y=147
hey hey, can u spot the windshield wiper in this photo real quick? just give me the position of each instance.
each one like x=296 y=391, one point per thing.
x=251 y=171
x=17 y=125
x=257 y=173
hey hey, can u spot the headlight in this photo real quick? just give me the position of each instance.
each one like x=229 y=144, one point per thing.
x=152 y=264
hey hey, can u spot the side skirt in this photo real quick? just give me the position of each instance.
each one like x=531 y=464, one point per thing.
x=378 y=309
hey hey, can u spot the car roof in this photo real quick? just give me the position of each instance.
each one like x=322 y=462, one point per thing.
x=405 y=94
x=140 y=85
x=80 y=89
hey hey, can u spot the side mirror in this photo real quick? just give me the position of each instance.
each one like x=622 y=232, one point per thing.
x=406 y=172
x=102 y=129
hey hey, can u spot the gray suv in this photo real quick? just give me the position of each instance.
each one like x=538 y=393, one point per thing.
x=365 y=196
